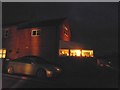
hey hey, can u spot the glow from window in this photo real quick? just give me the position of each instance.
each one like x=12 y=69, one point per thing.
x=63 y=52
x=75 y=52
x=2 y=53
x=0 y=50
x=87 y=53
x=66 y=28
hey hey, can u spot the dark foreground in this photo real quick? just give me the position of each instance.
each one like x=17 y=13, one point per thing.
x=99 y=79
x=75 y=75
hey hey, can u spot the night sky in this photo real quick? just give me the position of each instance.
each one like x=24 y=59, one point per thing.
x=93 y=25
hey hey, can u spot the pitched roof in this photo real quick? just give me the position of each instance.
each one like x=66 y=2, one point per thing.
x=36 y=23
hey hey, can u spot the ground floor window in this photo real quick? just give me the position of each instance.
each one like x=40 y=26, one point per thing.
x=64 y=52
x=2 y=53
x=76 y=52
x=87 y=53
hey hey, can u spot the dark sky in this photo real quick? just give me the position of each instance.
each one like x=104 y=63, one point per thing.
x=92 y=24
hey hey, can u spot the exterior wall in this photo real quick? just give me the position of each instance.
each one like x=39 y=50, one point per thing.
x=50 y=42
x=9 y=42
x=34 y=43
x=65 y=29
x=20 y=43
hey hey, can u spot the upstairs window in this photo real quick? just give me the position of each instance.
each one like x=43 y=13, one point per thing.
x=87 y=53
x=65 y=30
x=36 y=32
x=66 y=33
x=6 y=33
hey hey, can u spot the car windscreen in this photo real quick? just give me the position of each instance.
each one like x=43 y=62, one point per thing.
x=38 y=60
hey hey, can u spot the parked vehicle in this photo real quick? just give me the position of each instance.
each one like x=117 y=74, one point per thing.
x=33 y=66
x=104 y=63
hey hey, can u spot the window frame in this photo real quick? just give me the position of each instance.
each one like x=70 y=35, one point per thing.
x=37 y=32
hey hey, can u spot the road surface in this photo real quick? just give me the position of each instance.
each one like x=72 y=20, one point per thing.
x=93 y=79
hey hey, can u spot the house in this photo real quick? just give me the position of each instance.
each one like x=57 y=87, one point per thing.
x=48 y=39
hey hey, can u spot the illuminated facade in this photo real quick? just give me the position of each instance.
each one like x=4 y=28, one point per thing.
x=49 y=39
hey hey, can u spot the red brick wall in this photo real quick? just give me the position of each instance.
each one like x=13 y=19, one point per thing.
x=20 y=43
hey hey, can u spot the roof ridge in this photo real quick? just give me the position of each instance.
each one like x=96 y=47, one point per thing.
x=33 y=21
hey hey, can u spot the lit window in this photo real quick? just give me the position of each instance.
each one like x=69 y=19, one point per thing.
x=75 y=52
x=2 y=53
x=65 y=27
x=65 y=30
x=63 y=52
x=66 y=33
x=36 y=32
x=87 y=53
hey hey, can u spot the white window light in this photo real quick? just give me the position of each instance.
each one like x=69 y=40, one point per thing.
x=36 y=32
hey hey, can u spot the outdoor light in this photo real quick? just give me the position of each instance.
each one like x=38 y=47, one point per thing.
x=109 y=62
x=58 y=69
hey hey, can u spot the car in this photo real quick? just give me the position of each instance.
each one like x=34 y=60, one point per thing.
x=33 y=66
x=104 y=63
